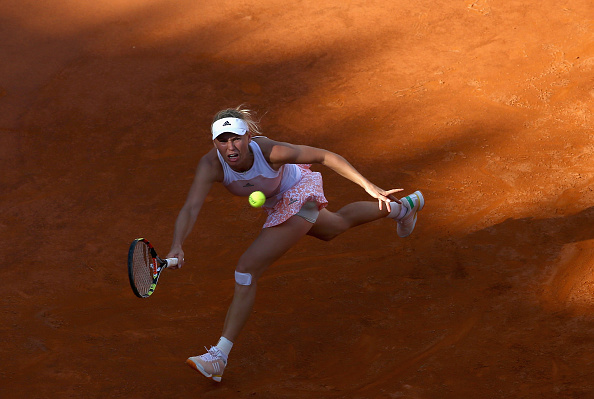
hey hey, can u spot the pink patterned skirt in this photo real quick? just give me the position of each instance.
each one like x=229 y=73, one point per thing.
x=309 y=188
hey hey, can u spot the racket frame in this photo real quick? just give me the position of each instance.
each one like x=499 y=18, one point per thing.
x=157 y=266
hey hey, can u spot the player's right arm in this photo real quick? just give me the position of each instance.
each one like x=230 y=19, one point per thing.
x=209 y=170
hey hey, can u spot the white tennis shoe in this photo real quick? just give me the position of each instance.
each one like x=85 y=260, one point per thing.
x=413 y=204
x=211 y=364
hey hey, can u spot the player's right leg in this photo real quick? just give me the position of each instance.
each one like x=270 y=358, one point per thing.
x=211 y=364
x=270 y=245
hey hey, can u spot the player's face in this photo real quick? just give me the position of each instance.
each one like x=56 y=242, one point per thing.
x=235 y=150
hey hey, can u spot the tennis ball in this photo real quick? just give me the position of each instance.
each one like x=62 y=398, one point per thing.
x=257 y=199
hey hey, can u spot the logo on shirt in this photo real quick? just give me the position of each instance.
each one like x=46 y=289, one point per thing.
x=293 y=200
x=249 y=185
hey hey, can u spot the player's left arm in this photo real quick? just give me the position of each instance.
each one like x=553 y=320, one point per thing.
x=282 y=153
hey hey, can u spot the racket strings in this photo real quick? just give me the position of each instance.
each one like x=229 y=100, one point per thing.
x=143 y=270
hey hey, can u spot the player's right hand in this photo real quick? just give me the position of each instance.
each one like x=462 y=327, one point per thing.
x=179 y=254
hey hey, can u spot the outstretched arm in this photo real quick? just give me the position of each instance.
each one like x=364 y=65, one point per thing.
x=283 y=153
x=206 y=174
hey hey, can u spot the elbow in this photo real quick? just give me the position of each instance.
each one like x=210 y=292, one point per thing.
x=330 y=158
x=191 y=210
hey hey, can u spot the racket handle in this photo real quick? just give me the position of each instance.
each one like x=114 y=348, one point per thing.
x=172 y=261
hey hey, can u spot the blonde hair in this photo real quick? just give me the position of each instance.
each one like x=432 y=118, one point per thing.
x=242 y=113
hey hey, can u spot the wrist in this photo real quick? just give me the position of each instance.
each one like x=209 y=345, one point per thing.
x=176 y=248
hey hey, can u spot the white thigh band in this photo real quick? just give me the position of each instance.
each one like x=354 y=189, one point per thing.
x=243 y=278
x=309 y=211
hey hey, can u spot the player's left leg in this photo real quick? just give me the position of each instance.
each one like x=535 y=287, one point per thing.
x=331 y=224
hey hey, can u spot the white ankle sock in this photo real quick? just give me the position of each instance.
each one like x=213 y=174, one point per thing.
x=225 y=346
x=397 y=210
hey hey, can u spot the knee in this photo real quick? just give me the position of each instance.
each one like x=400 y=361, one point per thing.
x=331 y=232
x=246 y=273
x=327 y=237
x=244 y=279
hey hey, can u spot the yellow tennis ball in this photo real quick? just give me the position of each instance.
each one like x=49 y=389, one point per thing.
x=257 y=199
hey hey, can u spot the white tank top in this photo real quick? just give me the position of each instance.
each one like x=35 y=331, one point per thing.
x=260 y=177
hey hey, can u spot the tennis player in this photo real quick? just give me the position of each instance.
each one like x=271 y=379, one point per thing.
x=244 y=162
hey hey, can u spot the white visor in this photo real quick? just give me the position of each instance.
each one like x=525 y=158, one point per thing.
x=229 y=125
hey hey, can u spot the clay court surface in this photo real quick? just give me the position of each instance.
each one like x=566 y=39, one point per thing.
x=485 y=105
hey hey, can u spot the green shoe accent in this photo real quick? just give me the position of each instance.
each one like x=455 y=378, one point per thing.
x=410 y=202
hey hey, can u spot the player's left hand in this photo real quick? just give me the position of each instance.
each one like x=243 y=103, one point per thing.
x=383 y=196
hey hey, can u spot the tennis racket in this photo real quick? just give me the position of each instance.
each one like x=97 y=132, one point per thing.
x=145 y=267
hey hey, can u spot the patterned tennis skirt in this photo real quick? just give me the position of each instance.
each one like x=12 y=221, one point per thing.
x=309 y=188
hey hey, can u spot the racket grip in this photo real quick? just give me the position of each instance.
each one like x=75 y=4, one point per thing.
x=172 y=261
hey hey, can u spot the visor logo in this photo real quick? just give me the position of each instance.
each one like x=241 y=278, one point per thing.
x=227 y=123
